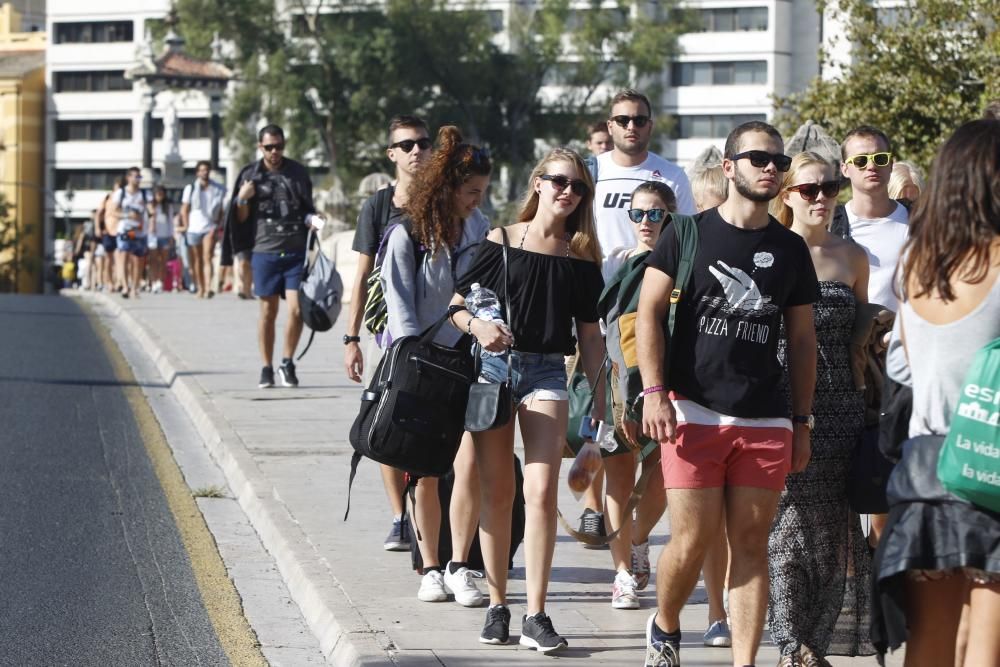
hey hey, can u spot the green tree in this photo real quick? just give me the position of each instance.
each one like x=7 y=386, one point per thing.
x=918 y=71
x=335 y=71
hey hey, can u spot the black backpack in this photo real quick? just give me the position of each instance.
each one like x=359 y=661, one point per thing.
x=412 y=414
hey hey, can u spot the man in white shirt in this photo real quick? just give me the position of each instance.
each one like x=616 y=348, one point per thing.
x=629 y=164
x=875 y=221
x=201 y=212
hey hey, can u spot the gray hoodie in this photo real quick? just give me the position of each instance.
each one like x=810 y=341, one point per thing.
x=417 y=297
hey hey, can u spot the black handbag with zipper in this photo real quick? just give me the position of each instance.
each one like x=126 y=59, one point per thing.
x=412 y=413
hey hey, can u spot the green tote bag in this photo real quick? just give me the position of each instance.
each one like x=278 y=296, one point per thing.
x=969 y=464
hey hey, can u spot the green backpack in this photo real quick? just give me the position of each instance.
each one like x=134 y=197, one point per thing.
x=618 y=307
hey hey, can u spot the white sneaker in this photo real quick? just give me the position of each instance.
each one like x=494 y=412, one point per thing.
x=623 y=595
x=157 y=287
x=432 y=588
x=461 y=584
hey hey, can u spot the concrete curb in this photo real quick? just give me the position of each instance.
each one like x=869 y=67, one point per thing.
x=346 y=639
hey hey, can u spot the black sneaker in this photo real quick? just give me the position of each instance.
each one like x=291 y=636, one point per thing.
x=399 y=536
x=497 y=628
x=592 y=524
x=286 y=375
x=266 y=377
x=537 y=633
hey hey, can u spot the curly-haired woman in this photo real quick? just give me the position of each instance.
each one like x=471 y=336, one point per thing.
x=434 y=244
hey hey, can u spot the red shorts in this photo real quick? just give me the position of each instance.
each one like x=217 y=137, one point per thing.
x=726 y=451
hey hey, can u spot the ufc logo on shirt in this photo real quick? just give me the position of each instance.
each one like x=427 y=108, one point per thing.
x=617 y=200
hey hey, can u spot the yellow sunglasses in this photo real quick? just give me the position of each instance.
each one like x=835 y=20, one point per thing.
x=861 y=161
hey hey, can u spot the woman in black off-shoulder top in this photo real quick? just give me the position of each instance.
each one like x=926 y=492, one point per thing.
x=554 y=265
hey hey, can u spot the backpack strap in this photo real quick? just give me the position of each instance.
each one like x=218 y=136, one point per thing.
x=382 y=210
x=686 y=230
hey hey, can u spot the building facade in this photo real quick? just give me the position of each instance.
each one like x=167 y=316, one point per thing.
x=95 y=113
x=22 y=151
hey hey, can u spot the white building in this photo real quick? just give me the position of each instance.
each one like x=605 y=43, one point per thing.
x=94 y=123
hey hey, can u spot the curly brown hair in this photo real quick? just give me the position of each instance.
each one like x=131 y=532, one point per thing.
x=431 y=196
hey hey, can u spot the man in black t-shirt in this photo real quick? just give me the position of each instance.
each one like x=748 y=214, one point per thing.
x=271 y=214
x=726 y=439
x=409 y=147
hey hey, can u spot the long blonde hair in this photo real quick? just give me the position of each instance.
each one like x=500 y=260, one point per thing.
x=781 y=210
x=580 y=222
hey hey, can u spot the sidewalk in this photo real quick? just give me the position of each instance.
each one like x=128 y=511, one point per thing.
x=286 y=456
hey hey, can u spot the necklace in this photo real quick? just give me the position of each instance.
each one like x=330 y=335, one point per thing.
x=525 y=235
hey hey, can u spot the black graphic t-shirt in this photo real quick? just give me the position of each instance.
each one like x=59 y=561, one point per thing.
x=724 y=352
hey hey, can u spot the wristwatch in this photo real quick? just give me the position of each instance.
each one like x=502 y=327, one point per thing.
x=808 y=420
x=351 y=339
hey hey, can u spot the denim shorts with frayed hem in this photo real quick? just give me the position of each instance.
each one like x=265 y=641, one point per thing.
x=533 y=375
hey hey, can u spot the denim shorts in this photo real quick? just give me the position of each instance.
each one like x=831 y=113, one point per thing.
x=194 y=239
x=134 y=246
x=533 y=375
x=275 y=273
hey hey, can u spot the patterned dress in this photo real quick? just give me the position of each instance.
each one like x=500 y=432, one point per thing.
x=818 y=558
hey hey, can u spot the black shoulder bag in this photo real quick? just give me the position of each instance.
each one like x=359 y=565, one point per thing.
x=491 y=405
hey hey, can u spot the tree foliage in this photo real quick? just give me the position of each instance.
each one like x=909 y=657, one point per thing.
x=918 y=71
x=335 y=71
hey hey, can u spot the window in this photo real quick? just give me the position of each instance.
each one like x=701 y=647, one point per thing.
x=94 y=130
x=98 y=32
x=710 y=127
x=87 y=179
x=747 y=72
x=743 y=19
x=91 y=82
x=191 y=128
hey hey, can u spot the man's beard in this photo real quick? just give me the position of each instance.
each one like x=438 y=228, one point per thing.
x=632 y=149
x=743 y=187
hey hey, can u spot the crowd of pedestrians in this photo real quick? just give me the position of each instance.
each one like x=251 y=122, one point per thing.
x=753 y=404
x=148 y=239
x=753 y=401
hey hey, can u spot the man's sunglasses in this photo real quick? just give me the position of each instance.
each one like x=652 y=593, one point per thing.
x=761 y=159
x=809 y=191
x=861 y=161
x=561 y=182
x=407 y=144
x=623 y=121
x=270 y=148
x=655 y=215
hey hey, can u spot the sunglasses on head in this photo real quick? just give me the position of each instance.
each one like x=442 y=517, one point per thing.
x=761 y=159
x=623 y=121
x=270 y=148
x=578 y=187
x=407 y=144
x=861 y=161
x=655 y=215
x=809 y=191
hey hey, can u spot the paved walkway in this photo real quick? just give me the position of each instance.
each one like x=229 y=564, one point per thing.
x=286 y=456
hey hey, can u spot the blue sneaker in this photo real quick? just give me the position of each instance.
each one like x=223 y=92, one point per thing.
x=660 y=653
x=718 y=634
x=399 y=536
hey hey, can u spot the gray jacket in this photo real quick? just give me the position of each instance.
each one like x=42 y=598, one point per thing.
x=417 y=297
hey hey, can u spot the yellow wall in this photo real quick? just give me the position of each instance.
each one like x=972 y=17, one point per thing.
x=22 y=127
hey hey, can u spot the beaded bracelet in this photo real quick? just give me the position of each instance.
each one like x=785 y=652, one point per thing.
x=652 y=390
x=468 y=327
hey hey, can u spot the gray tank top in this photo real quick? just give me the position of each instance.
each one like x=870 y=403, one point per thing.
x=940 y=356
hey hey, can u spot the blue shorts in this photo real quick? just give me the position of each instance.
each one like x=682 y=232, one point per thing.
x=533 y=375
x=109 y=243
x=159 y=242
x=194 y=239
x=134 y=246
x=274 y=273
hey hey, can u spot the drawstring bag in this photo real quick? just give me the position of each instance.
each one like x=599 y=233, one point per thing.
x=969 y=464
